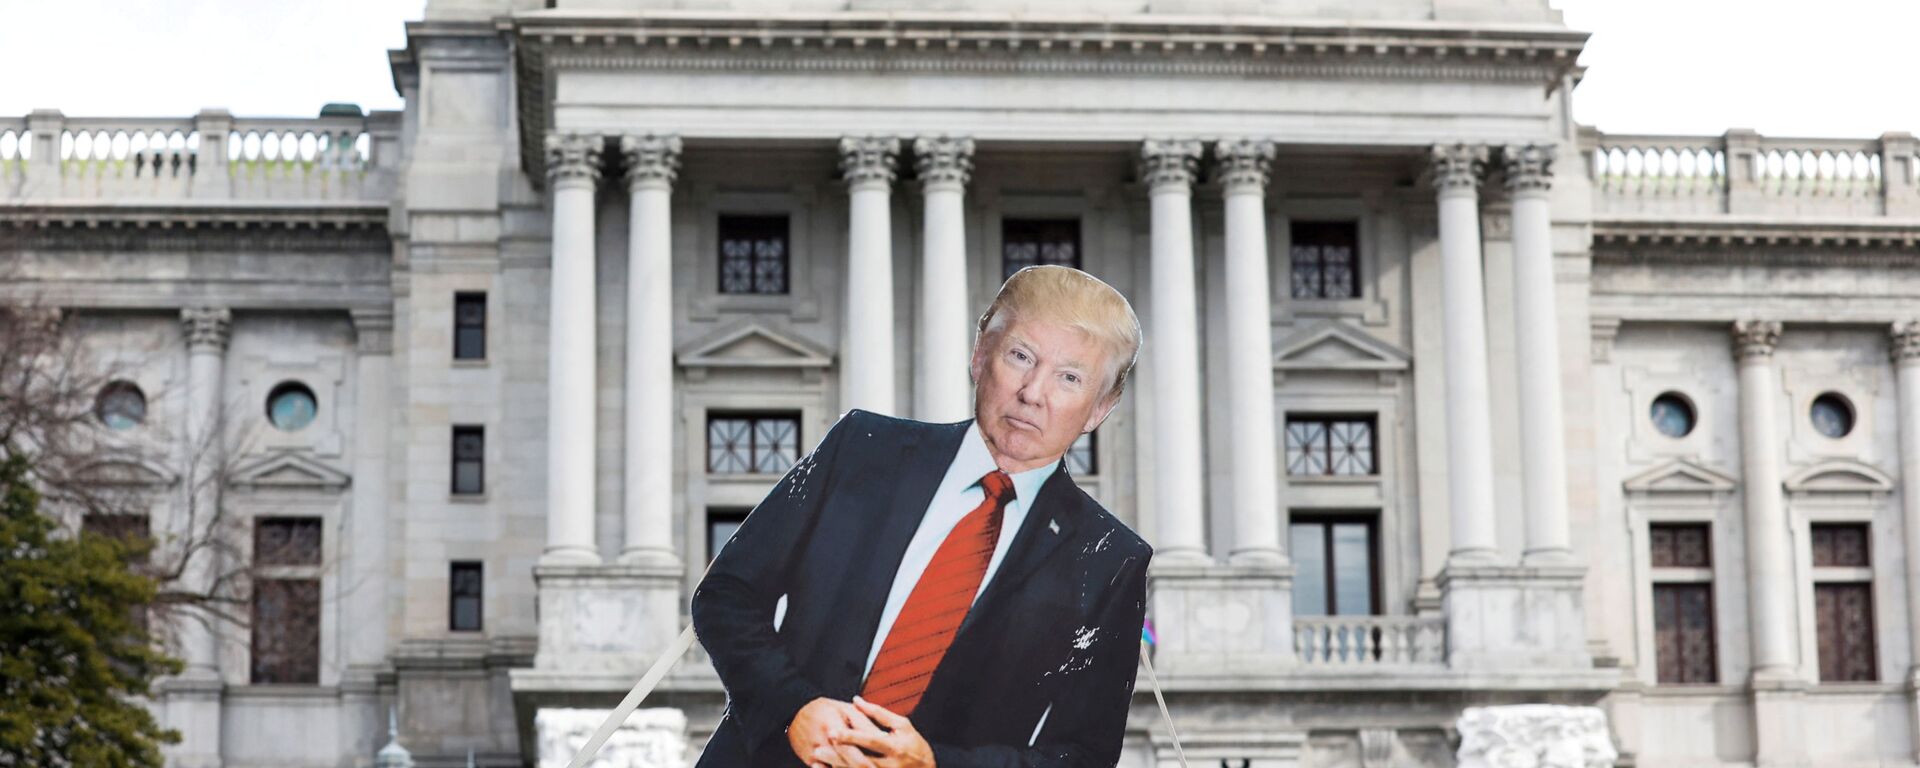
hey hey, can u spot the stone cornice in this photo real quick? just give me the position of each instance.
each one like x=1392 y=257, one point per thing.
x=83 y=226
x=1747 y=232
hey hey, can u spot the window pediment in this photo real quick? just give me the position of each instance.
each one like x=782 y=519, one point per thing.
x=286 y=470
x=752 y=344
x=1839 y=477
x=1336 y=346
x=1680 y=478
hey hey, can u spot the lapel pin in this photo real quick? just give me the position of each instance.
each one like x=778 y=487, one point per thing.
x=1053 y=525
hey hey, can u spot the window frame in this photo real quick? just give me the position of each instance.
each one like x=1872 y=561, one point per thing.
x=1039 y=227
x=254 y=669
x=1850 y=576
x=1688 y=576
x=754 y=222
x=1355 y=279
x=736 y=515
x=1326 y=421
x=453 y=464
x=1327 y=519
x=453 y=596
x=753 y=418
x=470 y=298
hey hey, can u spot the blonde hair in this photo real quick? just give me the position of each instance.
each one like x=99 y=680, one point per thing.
x=1073 y=298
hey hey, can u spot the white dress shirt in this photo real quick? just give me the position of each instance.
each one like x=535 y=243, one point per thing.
x=959 y=494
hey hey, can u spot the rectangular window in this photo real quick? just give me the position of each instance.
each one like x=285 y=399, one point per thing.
x=286 y=631
x=1330 y=445
x=753 y=254
x=1080 y=456
x=1843 y=602
x=469 y=460
x=752 y=443
x=469 y=326
x=1325 y=261
x=1027 y=242
x=465 y=589
x=721 y=525
x=1334 y=561
x=286 y=541
x=1683 y=636
x=132 y=531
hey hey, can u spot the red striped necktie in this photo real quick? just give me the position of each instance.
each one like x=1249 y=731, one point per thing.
x=939 y=601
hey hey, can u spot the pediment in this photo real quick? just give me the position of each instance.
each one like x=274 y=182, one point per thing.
x=1336 y=346
x=127 y=472
x=752 y=345
x=289 y=471
x=1680 y=476
x=1840 y=476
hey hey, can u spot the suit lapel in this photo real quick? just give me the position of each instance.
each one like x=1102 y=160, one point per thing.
x=1047 y=525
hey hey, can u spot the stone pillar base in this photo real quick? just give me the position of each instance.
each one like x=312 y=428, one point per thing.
x=1779 y=727
x=1507 y=617
x=605 y=618
x=192 y=707
x=1221 y=621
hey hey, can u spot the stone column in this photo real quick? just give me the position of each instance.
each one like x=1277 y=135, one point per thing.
x=573 y=168
x=364 y=550
x=1179 y=509
x=867 y=346
x=943 y=393
x=1244 y=166
x=652 y=162
x=1906 y=360
x=1543 y=451
x=1457 y=171
x=193 y=699
x=1769 y=552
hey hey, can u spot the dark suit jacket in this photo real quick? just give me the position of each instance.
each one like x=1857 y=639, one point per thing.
x=1058 y=624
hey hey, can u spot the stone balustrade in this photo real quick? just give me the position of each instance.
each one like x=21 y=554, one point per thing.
x=49 y=157
x=1369 y=641
x=1742 y=173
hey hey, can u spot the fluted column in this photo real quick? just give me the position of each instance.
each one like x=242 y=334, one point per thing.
x=867 y=347
x=206 y=329
x=1769 y=556
x=1457 y=171
x=1168 y=168
x=1543 y=445
x=944 y=165
x=651 y=162
x=573 y=168
x=1243 y=172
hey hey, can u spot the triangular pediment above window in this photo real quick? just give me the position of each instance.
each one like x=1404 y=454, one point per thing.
x=1840 y=476
x=127 y=472
x=289 y=471
x=752 y=345
x=1336 y=346
x=1680 y=477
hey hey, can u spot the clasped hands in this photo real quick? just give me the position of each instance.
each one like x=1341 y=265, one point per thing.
x=828 y=733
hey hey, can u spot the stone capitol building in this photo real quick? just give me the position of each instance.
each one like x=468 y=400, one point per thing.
x=1446 y=401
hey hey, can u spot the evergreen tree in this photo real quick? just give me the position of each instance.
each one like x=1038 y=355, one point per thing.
x=75 y=660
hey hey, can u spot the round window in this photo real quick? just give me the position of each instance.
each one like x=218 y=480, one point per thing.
x=1673 y=415
x=291 y=406
x=1832 y=415
x=120 y=405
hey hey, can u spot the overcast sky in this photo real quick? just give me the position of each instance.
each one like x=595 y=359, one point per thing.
x=1783 y=67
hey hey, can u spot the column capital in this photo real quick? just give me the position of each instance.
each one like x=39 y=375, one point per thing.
x=1244 y=162
x=650 y=157
x=206 y=328
x=1458 y=166
x=1755 y=339
x=1906 y=341
x=1529 y=167
x=1169 y=161
x=372 y=330
x=943 y=160
x=868 y=158
x=573 y=156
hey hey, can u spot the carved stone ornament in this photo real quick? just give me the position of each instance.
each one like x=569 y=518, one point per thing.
x=1244 y=162
x=573 y=156
x=1458 y=166
x=1755 y=339
x=651 y=158
x=650 y=738
x=206 y=327
x=1169 y=161
x=1535 y=736
x=1529 y=167
x=868 y=158
x=943 y=160
x=1906 y=341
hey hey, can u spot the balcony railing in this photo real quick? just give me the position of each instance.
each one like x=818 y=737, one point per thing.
x=213 y=156
x=1369 y=641
x=1743 y=173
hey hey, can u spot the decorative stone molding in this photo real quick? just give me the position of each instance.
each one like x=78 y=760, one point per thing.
x=650 y=738
x=1603 y=331
x=1169 y=161
x=1458 y=166
x=1755 y=339
x=943 y=160
x=1535 y=735
x=1244 y=162
x=651 y=158
x=868 y=158
x=373 y=331
x=1906 y=341
x=1529 y=167
x=573 y=156
x=206 y=328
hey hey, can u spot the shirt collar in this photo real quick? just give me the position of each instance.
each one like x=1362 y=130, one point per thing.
x=976 y=461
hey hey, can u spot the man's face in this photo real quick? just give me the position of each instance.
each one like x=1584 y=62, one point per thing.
x=1036 y=387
